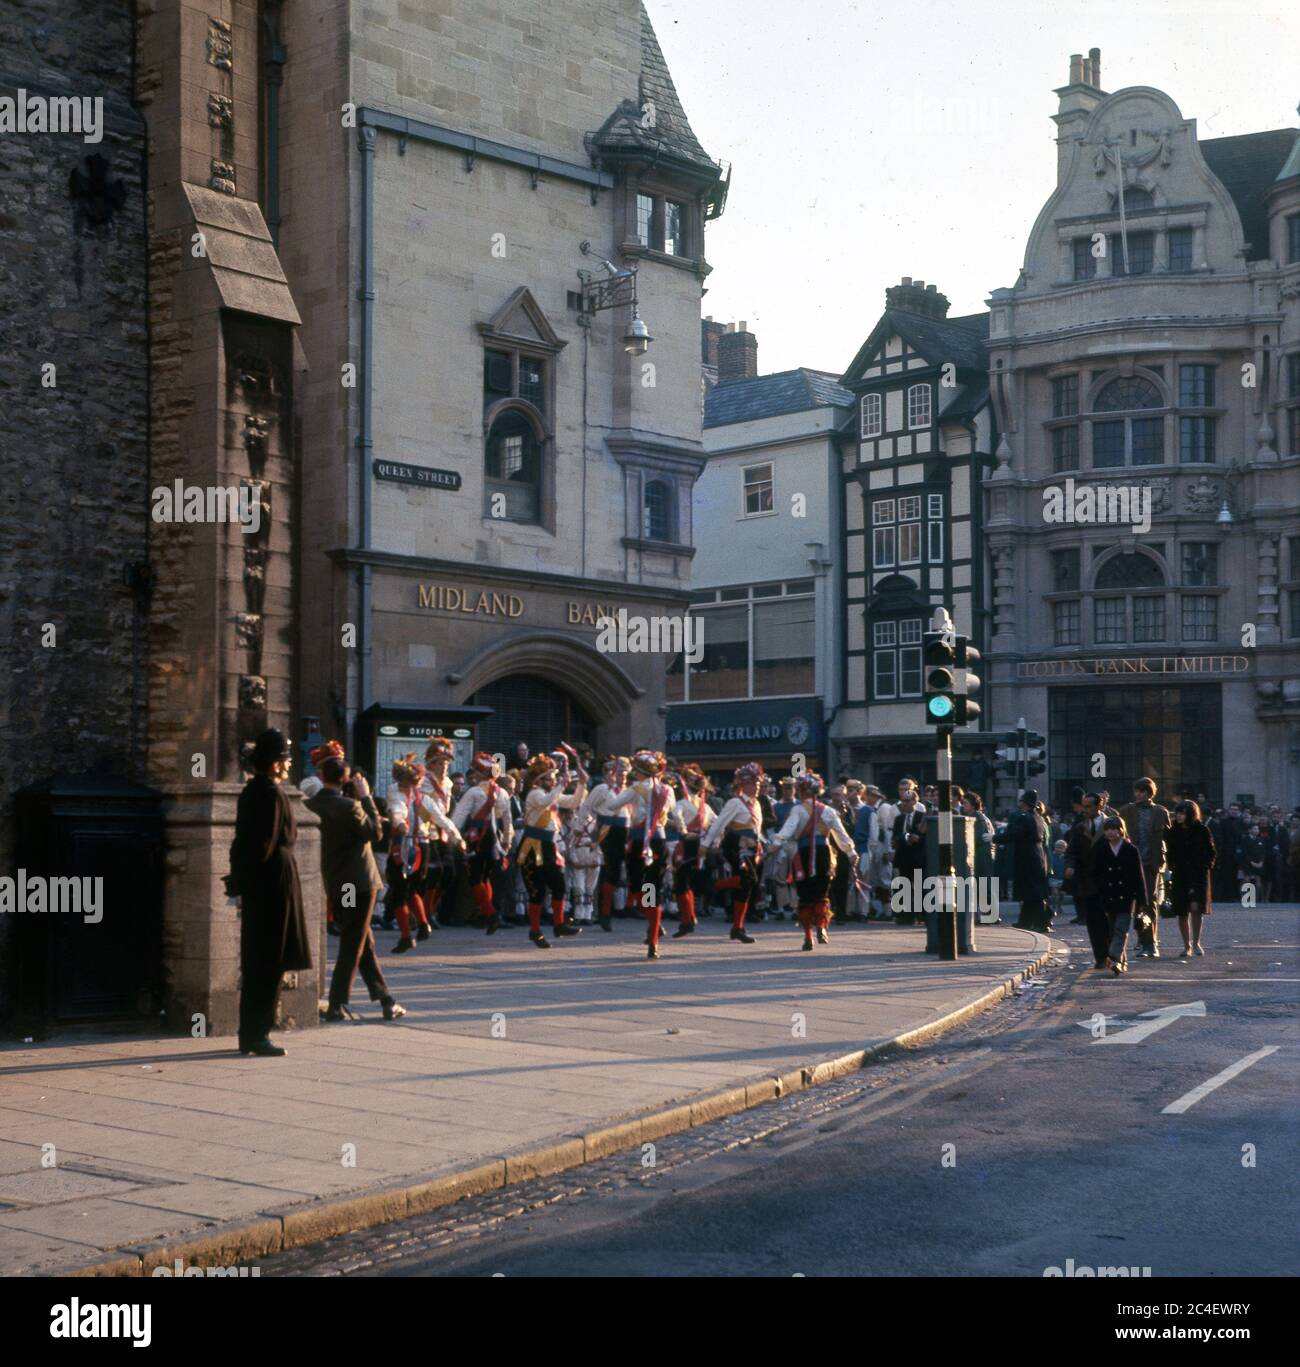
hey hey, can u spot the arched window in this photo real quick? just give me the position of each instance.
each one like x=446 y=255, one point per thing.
x=1132 y=440
x=1121 y=615
x=1130 y=571
x=1136 y=200
x=918 y=405
x=1127 y=393
x=657 y=521
x=871 y=415
x=513 y=469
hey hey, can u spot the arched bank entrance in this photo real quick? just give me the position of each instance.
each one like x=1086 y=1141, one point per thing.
x=526 y=708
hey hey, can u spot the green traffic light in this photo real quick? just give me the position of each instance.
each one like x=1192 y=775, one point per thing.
x=939 y=707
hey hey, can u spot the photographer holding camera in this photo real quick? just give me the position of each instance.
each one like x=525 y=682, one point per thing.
x=349 y=825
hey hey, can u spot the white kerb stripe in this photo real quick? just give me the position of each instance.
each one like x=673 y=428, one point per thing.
x=1185 y=1103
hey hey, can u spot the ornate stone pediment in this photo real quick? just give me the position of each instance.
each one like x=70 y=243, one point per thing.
x=521 y=319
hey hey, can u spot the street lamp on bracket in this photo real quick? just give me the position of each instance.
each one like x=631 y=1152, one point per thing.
x=615 y=289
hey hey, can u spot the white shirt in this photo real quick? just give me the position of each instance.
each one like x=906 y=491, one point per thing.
x=832 y=826
x=399 y=811
x=542 y=807
x=435 y=803
x=737 y=814
x=473 y=800
x=689 y=810
x=648 y=791
x=604 y=801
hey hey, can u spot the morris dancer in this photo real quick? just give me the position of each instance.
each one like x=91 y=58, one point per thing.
x=445 y=843
x=409 y=839
x=690 y=877
x=647 y=849
x=737 y=831
x=811 y=833
x=540 y=860
x=608 y=803
x=483 y=817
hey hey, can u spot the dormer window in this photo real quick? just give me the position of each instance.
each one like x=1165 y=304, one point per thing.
x=666 y=225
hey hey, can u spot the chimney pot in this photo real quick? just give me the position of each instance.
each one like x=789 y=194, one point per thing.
x=1094 y=61
x=744 y=326
x=920 y=284
x=907 y=280
x=1076 y=68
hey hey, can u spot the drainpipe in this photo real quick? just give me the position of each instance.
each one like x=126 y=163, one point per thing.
x=276 y=57
x=365 y=441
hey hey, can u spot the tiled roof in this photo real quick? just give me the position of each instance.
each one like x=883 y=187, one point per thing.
x=671 y=133
x=960 y=340
x=968 y=402
x=769 y=396
x=1248 y=165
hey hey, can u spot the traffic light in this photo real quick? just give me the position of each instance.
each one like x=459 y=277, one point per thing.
x=1035 y=753
x=1007 y=755
x=939 y=651
x=968 y=684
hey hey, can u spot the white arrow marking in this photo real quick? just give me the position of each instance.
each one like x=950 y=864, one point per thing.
x=1153 y=1021
x=1198 y=1093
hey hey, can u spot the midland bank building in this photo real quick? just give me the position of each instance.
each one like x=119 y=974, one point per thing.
x=512 y=462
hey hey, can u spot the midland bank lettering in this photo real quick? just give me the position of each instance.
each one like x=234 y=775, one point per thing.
x=489 y=603
x=450 y=599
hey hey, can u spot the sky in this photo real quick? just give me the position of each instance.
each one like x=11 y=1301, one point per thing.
x=870 y=141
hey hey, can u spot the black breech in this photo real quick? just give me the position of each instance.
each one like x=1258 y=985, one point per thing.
x=479 y=866
x=613 y=852
x=640 y=871
x=689 y=875
x=740 y=850
x=814 y=887
x=543 y=876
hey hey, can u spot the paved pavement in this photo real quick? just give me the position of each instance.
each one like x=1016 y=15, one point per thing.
x=1024 y=1140
x=110 y=1143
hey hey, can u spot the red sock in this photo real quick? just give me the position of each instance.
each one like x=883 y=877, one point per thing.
x=404 y=921
x=417 y=902
x=483 y=898
x=557 y=911
x=535 y=917
x=686 y=906
x=655 y=916
x=823 y=914
x=738 y=910
x=606 y=900
x=806 y=921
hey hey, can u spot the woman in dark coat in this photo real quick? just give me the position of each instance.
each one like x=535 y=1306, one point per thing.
x=1121 y=885
x=1189 y=848
x=272 y=930
x=1026 y=837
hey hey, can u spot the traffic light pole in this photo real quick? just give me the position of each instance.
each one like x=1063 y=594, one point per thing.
x=946 y=871
x=1022 y=760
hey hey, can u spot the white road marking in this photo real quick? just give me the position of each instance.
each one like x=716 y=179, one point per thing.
x=1199 y=1093
x=1153 y=1021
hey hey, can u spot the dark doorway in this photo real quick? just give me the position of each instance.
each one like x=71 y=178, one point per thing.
x=1172 y=735
x=533 y=711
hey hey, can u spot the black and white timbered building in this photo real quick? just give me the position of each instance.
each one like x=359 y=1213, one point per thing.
x=912 y=520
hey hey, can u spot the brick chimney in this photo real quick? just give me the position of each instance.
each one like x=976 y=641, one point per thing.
x=917 y=297
x=737 y=353
x=1078 y=99
x=709 y=334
